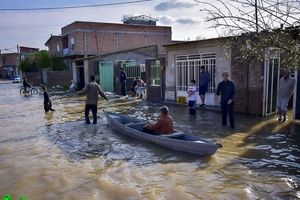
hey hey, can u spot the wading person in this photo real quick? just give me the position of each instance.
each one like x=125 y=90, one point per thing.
x=164 y=124
x=192 y=97
x=226 y=89
x=204 y=79
x=47 y=101
x=284 y=93
x=92 y=91
x=123 y=78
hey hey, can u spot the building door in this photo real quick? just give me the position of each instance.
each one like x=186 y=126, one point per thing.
x=132 y=71
x=153 y=80
x=81 y=82
x=271 y=80
x=106 y=76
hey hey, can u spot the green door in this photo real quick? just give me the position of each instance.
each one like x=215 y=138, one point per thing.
x=106 y=74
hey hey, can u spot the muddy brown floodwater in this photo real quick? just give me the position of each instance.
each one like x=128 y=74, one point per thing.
x=57 y=156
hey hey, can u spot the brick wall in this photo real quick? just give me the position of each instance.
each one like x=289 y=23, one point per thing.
x=113 y=37
x=249 y=84
x=62 y=78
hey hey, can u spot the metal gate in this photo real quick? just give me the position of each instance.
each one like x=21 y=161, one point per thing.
x=132 y=70
x=106 y=74
x=271 y=80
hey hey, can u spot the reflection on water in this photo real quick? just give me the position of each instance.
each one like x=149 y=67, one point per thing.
x=57 y=156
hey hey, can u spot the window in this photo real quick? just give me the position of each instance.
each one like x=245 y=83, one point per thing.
x=57 y=48
x=188 y=68
x=155 y=72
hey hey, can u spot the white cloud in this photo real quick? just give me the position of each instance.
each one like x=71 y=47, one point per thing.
x=169 y=20
x=175 y=4
x=34 y=28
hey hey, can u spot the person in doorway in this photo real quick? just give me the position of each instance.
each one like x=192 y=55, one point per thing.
x=164 y=124
x=26 y=85
x=140 y=87
x=192 y=97
x=92 y=91
x=123 y=78
x=204 y=79
x=47 y=101
x=226 y=89
x=284 y=93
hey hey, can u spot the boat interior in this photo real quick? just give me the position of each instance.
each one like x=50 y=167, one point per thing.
x=139 y=125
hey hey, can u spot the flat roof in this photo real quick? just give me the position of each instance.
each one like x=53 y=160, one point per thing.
x=114 y=24
x=178 y=43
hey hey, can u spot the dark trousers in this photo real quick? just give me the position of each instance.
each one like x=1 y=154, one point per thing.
x=123 y=89
x=227 y=109
x=89 y=107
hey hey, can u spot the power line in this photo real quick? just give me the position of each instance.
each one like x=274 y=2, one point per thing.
x=74 y=7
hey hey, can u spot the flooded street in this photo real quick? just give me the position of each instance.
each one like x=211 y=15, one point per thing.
x=57 y=156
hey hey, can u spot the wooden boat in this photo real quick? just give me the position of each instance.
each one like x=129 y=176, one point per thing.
x=178 y=141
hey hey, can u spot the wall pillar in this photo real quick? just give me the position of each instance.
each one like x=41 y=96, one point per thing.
x=296 y=108
x=86 y=71
x=74 y=72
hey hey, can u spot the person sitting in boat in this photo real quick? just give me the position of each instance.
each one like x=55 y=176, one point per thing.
x=164 y=124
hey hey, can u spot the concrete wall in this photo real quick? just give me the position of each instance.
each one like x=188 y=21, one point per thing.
x=62 y=78
x=51 y=78
x=34 y=78
x=223 y=63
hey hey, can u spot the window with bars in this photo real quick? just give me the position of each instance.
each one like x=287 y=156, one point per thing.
x=188 y=68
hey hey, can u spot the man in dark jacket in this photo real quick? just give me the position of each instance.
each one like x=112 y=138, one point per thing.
x=92 y=91
x=123 y=78
x=47 y=101
x=226 y=89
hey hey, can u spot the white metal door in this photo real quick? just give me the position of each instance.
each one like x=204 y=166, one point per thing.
x=271 y=80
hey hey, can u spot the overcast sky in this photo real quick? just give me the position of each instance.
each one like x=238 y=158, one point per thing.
x=33 y=28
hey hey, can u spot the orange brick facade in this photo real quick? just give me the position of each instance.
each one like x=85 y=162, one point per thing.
x=91 y=38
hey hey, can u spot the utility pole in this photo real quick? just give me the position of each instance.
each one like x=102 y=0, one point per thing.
x=256 y=16
x=18 y=61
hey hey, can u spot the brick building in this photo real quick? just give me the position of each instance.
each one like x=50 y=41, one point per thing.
x=85 y=39
x=54 y=44
x=256 y=81
x=9 y=61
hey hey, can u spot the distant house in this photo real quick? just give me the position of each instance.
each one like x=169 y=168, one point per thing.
x=9 y=62
x=54 y=44
x=256 y=82
x=81 y=40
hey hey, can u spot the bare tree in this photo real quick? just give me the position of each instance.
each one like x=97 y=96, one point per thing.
x=257 y=25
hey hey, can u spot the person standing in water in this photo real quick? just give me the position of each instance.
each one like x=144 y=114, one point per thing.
x=284 y=93
x=47 y=101
x=204 y=79
x=92 y=91
x=123 y=78
x=226 y=89
x=192 y=96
